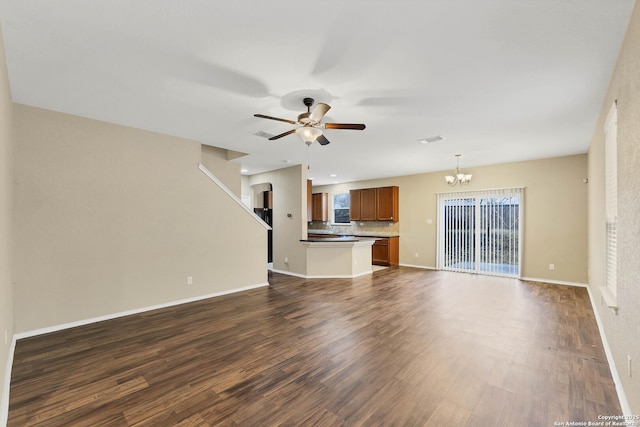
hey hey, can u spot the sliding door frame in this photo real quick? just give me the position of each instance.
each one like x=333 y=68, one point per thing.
x=477 y=195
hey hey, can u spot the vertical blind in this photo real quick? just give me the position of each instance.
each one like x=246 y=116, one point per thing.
x=480 y=231
x=611 y=197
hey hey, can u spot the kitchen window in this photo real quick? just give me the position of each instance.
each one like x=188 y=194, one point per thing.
x=341 y=203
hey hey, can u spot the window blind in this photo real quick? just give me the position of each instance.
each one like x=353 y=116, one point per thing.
x=480 y=232
x=611 y=197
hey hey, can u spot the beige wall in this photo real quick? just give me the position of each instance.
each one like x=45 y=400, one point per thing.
x=622 y=331
x=110 y=219
x=217 y=159
x=6 y=207
x=289 y=197
x=555 y=216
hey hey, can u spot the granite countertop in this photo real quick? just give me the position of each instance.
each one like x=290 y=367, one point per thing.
x=372 y=235
x=377 y=236
x=331 y=239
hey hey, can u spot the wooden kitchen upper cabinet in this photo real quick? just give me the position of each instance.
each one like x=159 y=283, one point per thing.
x=388 y=204
x=368 y=201
x=354 y=205
x=362 y=205
x=374 y=204
x=320 y=207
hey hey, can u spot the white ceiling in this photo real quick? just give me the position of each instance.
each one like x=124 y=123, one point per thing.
x=501 y=80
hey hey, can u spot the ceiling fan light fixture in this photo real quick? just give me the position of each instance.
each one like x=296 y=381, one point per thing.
x=304 y=118
x=310 y=122
x=308 y=134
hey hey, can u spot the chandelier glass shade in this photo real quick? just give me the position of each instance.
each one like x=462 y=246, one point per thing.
x=459 y=177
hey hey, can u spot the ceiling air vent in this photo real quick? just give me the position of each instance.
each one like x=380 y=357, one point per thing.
x=264 y=134
x=430 y=139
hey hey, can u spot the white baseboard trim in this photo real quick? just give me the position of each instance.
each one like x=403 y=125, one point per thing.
x=64 y=326
x=303 y=276
x=555 y=282
x=424 y=267
x=290 y=273
x=6 y=386
x=345 y=276
x=624 y=403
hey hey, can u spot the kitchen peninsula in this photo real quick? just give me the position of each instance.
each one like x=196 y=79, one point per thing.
x=337 y=249
x=338 y=257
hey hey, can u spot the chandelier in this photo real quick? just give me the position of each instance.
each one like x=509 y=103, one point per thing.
x=459 y=177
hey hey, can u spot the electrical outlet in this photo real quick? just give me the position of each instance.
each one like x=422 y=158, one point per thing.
x=629 y=365
x=286 y=260
x=417 y=255
x=189 y=280
x=552 y=267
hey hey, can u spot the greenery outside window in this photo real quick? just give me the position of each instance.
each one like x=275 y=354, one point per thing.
x=341 y=208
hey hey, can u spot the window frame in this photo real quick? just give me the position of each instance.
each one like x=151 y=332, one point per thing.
x=333 y=208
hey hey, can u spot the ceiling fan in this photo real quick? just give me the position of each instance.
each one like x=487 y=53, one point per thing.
x=310 y=123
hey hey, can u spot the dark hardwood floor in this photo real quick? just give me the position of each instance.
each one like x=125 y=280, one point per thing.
x=401 y=347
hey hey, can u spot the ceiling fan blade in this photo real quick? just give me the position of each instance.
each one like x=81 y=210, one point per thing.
x=319 y=112
x=322 y=140
x=262 y=116
x=289 y=132
x=354 y=126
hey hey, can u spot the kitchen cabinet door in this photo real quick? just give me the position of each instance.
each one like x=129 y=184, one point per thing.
x=387 y=204
x=354 y=205
x=385 y=251
x=380 y=252
x=320 y=202
x=368 y=202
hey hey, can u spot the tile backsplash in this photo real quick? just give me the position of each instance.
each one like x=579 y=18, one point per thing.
x=364 y=228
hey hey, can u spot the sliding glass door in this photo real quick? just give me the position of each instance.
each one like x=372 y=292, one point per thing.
x=480 y=231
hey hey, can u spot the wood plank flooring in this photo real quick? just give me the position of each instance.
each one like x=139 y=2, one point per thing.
x=402 y=347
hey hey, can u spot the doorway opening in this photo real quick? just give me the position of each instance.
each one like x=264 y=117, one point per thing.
x=263 y=207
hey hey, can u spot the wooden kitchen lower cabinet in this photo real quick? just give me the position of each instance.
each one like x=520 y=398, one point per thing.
x=386 y=251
